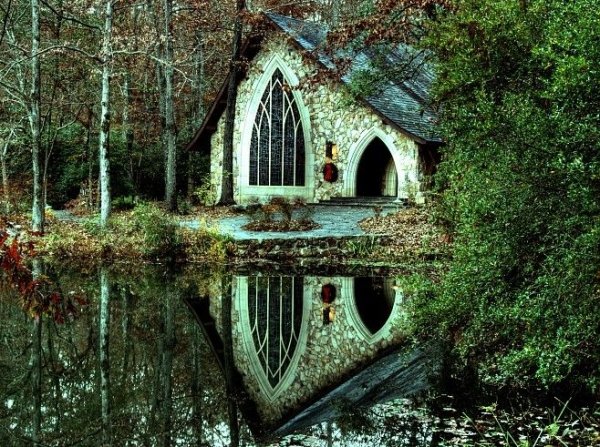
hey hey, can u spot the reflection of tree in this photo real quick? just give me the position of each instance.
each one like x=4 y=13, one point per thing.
x=37 y=293
x=195 y=386
x=234 y=429
x=36 y=367
x=163 y=392
x=167 y=364
x=127 y=303
x=105 y=358
x=69 y=401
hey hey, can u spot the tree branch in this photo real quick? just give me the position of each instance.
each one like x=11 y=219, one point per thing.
x=5 y=21
x=68 y=18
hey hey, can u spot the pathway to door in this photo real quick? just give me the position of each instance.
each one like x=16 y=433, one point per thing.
x=335 y=221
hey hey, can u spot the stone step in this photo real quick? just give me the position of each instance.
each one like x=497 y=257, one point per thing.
x=385 y=202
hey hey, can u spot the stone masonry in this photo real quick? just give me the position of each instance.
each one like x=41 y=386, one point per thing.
x=333 y=117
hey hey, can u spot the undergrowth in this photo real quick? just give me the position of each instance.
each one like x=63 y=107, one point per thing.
x=147 y=232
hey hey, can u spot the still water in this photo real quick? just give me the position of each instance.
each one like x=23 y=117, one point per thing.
x=148 y=356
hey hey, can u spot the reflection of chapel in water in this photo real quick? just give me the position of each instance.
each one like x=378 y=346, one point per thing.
x=296 y=337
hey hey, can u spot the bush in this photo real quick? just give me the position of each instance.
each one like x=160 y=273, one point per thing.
x=522 y=195
x=160 y=231
x=123 y=203
x=206 y=193
x=262 y=216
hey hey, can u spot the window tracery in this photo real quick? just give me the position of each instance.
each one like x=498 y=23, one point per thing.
x=275 y=314
x=277 y=147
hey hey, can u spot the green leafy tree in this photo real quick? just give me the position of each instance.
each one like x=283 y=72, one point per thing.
x=521 y=173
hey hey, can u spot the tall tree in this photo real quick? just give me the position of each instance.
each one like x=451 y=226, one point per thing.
x=4 y=162
x=37 y=214
x=170 y=148
x=105 y=196
x=227 y=183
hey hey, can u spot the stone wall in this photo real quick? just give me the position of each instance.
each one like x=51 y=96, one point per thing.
x=281 y=250
x=333 y=117
x=327 y=353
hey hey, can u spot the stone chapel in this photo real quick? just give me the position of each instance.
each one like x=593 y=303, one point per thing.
x=294 y=138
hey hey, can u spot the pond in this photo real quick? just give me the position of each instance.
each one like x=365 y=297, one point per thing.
x=152 y=356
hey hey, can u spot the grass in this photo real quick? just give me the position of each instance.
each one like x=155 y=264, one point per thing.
x=145 y=233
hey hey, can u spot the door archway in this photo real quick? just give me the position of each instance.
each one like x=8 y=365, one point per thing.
x=376 y=174
x=373 y=167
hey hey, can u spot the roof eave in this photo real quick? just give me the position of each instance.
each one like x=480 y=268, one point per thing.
x=201 y=140
x=363 y=101
x=211 y=120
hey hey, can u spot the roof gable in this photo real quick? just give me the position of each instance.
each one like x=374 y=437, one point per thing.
x=404 y=105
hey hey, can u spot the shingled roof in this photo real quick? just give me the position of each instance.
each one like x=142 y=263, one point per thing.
x=403 y=104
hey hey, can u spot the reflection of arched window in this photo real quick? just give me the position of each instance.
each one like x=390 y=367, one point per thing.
x=277 y=154
x=374 y=301
x=275 y=315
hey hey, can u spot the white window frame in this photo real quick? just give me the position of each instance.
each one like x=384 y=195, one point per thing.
x=270 y=392
x=262 y=191
x=349 y=295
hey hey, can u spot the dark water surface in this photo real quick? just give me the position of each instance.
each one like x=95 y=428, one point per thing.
x=199 y=357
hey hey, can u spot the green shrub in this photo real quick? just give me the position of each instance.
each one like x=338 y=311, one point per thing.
x=160 y=231
x=522 y=196
x=206 y=193
x=184 y=207
x=206 y=244
x=123 y=203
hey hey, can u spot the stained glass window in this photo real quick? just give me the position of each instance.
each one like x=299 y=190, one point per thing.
x=277 y=153
x=275 y=309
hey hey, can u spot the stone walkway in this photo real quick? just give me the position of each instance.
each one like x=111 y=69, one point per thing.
x=335 y=221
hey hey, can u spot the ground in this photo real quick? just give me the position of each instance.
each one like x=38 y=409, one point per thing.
x=367 y=234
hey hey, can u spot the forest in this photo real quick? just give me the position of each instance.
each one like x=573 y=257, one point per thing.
x=101 y=97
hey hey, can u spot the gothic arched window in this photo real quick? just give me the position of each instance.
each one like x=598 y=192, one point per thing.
x=277 y=153
x=275 y=314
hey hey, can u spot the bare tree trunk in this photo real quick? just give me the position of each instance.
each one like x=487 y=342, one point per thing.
x=171 y=181
x=127 y=127
x=200 y=77
x=5 y=186
x=227 y=179
x=200 y=108
x=335 y=13
x=90 y=161
x=47 y=155
x=47 y=127
x=105 y=117
x=105 y=357
x=37 y=213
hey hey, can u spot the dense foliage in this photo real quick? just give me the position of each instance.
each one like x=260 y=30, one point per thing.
x=521 y=189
